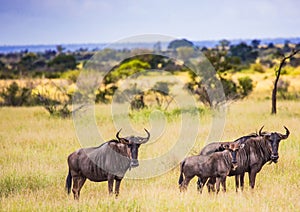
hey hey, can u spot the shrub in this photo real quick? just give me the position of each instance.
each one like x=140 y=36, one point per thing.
x=257 y=67
x=230 y=88
x=246 y=85
x=14 y=95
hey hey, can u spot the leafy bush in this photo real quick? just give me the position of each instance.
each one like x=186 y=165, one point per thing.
x=71 y=75
x=230 y=88
x=56 y=108
x=257 y=67
x=14 y=95
x=138 y=102
x=246 y=86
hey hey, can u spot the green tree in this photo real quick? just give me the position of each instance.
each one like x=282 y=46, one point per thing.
x=63 y=63
x=224 y=44
x=244 y=52
x=255 y=43
x=2 y=66
x=60 y=49
x=130 y=67
x=185 y=52
x=127 y=68
x=222 y=63
x=180 y=43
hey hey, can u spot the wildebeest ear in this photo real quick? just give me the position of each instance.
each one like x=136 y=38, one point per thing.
x=241 y=146
x=123 y=141
x=221 y=148
x=225 y=146
x=113 y=145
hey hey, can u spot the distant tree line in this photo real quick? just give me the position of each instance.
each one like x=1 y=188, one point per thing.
x=52 y=64
x=225 y=57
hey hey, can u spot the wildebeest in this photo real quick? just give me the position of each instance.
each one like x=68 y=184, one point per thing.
x=218 y=147
x=108 y=162
x=217 y=164
x=258 y=150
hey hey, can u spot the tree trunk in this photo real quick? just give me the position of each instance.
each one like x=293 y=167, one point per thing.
x=274 y=92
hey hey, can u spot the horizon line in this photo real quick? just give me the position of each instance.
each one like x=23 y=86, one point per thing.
x=105 y=43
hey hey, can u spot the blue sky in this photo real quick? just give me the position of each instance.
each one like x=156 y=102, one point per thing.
x=102 y=21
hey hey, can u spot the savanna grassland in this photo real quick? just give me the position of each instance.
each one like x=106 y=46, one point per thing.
x=35 y=146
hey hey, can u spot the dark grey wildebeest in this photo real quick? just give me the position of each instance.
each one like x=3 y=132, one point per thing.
x=217 y=164
x=258 y=150
x=108 y=162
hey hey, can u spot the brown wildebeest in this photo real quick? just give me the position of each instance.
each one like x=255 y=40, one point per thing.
x=217 y=164
x=257 y=152
x=108 y=162
x=219 y=147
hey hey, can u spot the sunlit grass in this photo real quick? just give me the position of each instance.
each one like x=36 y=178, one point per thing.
x=34 y=149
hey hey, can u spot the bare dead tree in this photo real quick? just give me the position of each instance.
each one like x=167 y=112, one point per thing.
x=278 y=72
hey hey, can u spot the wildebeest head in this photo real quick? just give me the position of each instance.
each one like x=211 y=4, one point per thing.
x=133 y=143
x=233 y=148
x=273 y=139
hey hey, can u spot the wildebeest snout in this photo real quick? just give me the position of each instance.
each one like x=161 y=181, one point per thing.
x=274 y=158
x=234 y=165
x=134 y=163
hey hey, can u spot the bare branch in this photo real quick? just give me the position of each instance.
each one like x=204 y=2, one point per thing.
x=278 y=72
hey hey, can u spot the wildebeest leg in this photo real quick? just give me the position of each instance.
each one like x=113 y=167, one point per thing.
x=117 y=186
x=211 y=184
x=223 y=182
x=237 y=182
x=110 y=180
x=200 y=183
x=218 y=184
x=78 y=182
x=185 y=183
x=252 y=176
x=242 y=181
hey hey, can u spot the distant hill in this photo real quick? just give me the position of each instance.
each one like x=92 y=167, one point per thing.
x=265 y=41
x=147 y=45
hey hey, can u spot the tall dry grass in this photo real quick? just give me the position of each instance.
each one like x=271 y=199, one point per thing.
x=34 y=149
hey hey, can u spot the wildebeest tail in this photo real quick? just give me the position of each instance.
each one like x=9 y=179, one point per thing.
x=69 y=182
x=181 y=173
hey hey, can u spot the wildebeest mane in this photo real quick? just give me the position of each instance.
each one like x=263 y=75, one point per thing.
x=246 y=137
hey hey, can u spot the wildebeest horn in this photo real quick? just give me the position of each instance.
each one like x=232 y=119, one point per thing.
x=148 y=134
x=117 y=135
x=287 y=133
x=121 y=140
x=144 y=140
x=260 y=131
